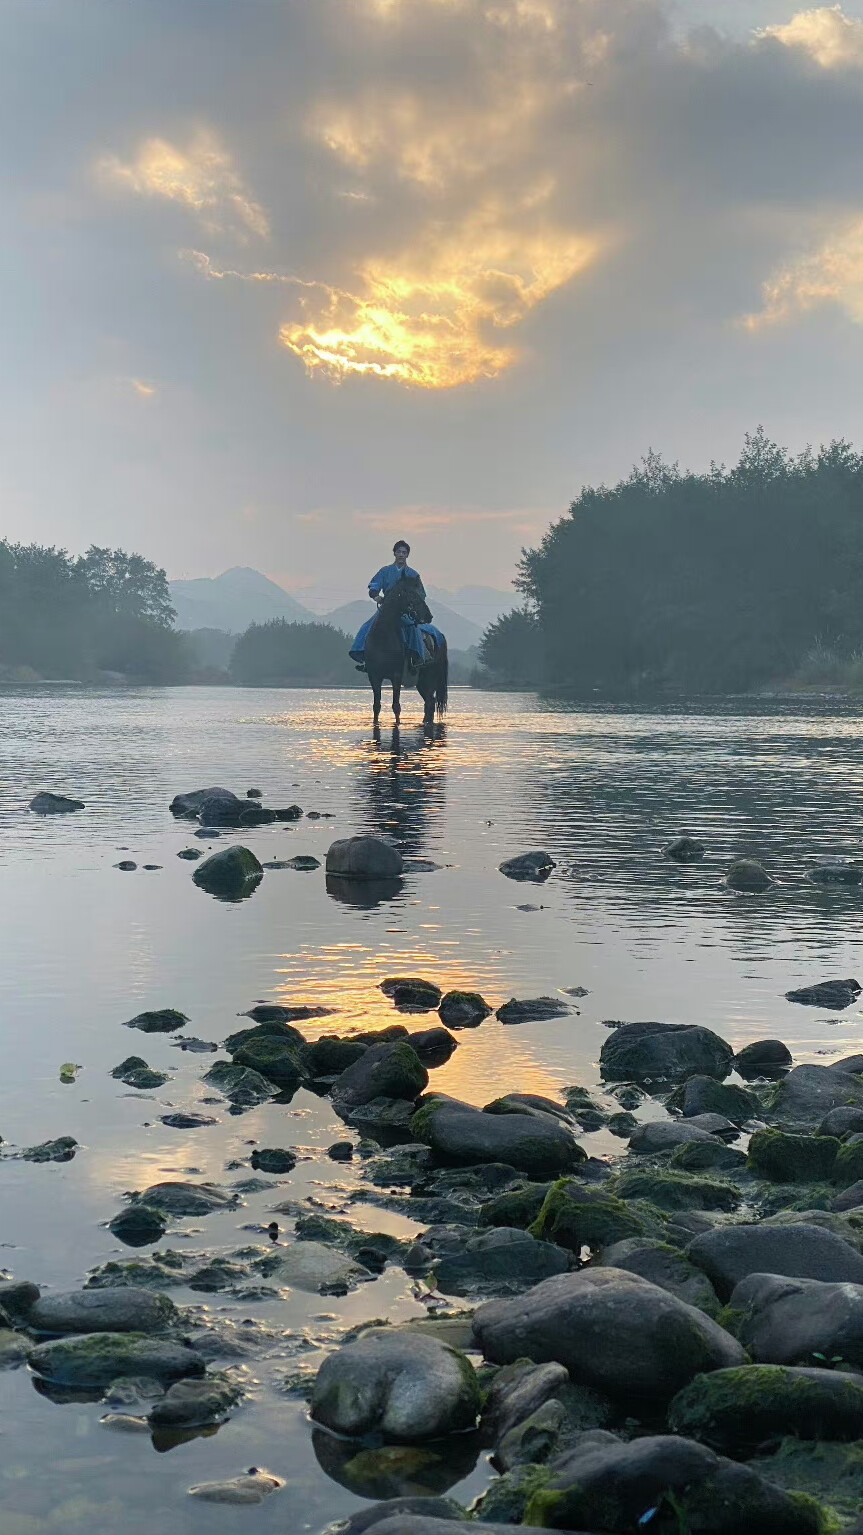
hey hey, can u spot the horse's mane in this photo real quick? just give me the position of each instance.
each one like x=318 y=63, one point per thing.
x=399 y=595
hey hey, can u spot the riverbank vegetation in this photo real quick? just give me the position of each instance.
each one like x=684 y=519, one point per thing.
x=268 y=655
x=727 y=581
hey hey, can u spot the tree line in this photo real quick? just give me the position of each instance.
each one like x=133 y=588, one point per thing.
x=723 y=581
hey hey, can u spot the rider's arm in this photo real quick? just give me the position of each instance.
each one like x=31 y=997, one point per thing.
x=376 y=585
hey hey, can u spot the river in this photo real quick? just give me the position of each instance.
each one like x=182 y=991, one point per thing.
x=86 y=946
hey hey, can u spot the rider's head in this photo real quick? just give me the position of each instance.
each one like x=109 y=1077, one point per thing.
x=401 y=550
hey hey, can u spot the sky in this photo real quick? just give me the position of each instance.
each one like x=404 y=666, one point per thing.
x=285 y=279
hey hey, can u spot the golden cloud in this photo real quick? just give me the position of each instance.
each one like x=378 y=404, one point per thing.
x=831 y=274
x=201 y=177
x=432 y=317
x=832 y=39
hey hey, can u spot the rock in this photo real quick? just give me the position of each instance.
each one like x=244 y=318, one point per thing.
x=276 y=1012
x=252 y=1487
x=163 y=1021
x=383 y=1071
x=841 y=1122
x=411 y=991
x=704 y=1095
x=807 y=1093
x=402 y=1385
x=193 y=1403
x=186 y=1198
x=425 y=1510
x=611 y=1329
x=783 y=1158
x=729 y=1253
x=433 y=1046
x=139 y=1226
x=275 y=1058
x=532 y=1010
x=664 y=1266
x=329 y=1056
x=135 y=1072
x=127 y=865
x=96 y=1359
x=518 y=1209
x=187 y=1121
x=341 y=1151
x=675 y=1191
x=852 y=1063
x=749 y=875
x=274 y=1159
x=61 y=1150
x=715 y=1124
x=190 y=804
x=835 y=995
x=315 y=1268
x=364 y=858
x=191 y=854
x=16 y=1298
x=463 y=1009
x=684 y=850
x=268 y=1028
x=850 y=1198
x=126 y=1309
x=46 y=803
x=458 y=1133
x=502 y=1261
x=799 y=1321
x=387 y=1120
x=532 y=866
x=837 y=873
x=707 y=1156
x=664 y=1135
x=605 y=1484
x=289 y=813
x=238 y=1083
x=197 y=1046
x=575 y=1217
x=735 y=1411
x=531 y=1442
x=303 y=862
x=13 y=1349
x=231 y=873
x=667 y=1052
x=419 y=1525
x=516 y=1392
x=763 y=1058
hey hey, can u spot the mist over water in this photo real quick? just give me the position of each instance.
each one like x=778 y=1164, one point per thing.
x=87 y=946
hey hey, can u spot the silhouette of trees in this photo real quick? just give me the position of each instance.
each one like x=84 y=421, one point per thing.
x=281 y=652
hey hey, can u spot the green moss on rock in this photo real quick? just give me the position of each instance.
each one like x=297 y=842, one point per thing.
x=677 y=1191
x=783 y=1158
x=517 y=1209
x=736 y=1410
x=704 y=1156
x=848 y=1167
x=575 y=1217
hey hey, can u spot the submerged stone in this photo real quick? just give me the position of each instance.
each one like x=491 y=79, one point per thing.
x=125 y=1309
x=186 y=1198
x=528 y=866
x=98 y=1358
x=364 y=858
x=46 y=803
x=162 y=1021
x=139 y=1225
x=532 y=1010
x=763 y=1058
x=463 y=1009
x=836 y=995
x=663 y=1052
x=747 y=874
x=231 y=873
x=401 y=1385
x=61 y=1150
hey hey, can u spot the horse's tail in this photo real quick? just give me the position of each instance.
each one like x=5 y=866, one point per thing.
x=442 y=683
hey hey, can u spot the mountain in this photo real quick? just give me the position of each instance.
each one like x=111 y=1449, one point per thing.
x=480 y=605
x=460 y=632
x=232 y=601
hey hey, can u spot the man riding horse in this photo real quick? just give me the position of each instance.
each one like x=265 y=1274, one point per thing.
x=400 y=640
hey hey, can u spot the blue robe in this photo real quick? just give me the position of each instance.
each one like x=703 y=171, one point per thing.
x=384 y=579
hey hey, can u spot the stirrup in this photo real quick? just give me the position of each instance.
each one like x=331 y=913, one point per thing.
x=360 y=666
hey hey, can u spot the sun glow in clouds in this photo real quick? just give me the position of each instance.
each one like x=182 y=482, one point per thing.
x=833 y=39
x=832 y=274
x=201 y=177
x=433 y=320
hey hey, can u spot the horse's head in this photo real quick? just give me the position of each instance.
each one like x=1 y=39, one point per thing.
x=406 y=597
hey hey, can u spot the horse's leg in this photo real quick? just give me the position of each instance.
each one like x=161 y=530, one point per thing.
x=397 y=698
x=425 y=688
x=376 y=683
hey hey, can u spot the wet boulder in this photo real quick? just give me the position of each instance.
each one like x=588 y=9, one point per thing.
x=707 y=1156
x=273 y=1159
x=677 y=1191
x=459 y=1133
x=128 y=1308
x=748 y=875
x=664 y=1134
x=850 y=1198
x=17 y=1296
x=46 y=803
x=684 y=850
x=704 y=1095
x=807 y=1093
x=402 y=1385
x=186 y=1198
x=240 y=1084
x=763 y=1058
x=163 y=1020
x=463 y=1009
x=412 y=993
x=518 y=1208
x=190 y=804
x=611 y=1330
x=403 y=1516
x=835 y=995
x=841 y=1122
x=607 y=1485
x=730 y=1253
x=528 y=866
x=194 y=1403
x=532 y=1010
x=60 y=1150
x=668 y=1052
x=139 y=1225
x=275 y=1058
x=503 y=1261
x=575 y=1216
x=383 y=1071
x=799 y=1321
x=837 y=872
x=516 y=1392
x=433 y=1046
x=783 y=1158
x=95 y=1359
x=135 y=1072
x=230 y=873
x=364 y=858
x=665 y=1266
x=736 y=1411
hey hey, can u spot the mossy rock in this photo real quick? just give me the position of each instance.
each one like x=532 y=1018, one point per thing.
x=703 y=1156
x=784 y=1158
x=423 y=1117
x=518 y=1209
x=737 y=1410
x=273 y=1057
x=575 y=1217
x=704 y=1095
x=275 y=1027
x=829 y=1474
x=677 y=1191
x=848 y=1167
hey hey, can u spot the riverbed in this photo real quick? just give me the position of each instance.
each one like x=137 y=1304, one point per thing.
x=86 y=946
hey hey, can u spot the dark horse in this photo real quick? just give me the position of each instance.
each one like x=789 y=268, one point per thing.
x=386 y=652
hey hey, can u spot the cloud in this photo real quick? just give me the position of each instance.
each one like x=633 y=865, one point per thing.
x=200 y=177
x=830 y=274
x=424 y=519
x=831 y=38
x=142 y=388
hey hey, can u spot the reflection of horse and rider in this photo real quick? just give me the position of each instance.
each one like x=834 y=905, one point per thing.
x=400 y=642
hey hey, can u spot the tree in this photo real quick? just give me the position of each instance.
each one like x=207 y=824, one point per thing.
x=128 y=584
x=280 y=652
